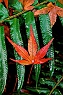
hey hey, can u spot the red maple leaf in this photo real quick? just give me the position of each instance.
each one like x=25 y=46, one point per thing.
x=27 y=4
x=32 y=56
x=52 y=10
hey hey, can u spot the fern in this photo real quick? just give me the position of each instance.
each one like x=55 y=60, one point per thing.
x=16 y=37
x=3 y=12
x=3 y=61
x=48 y=79
x=47 y=35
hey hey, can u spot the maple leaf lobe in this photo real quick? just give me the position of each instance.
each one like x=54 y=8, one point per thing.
x=32 y=44
x=27 y=4
x=52 y=10
x=20 y=50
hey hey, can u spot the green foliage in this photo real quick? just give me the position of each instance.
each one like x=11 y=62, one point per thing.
x=39 y=90
x=16 y=37
x=12 y=2
x=17 y=6
x=46 y=32
x=53 y=1
x=3 y=61
x=35 y=2
x=44 y=77
x=47 y=81
x=3 y=12
x=56 y=92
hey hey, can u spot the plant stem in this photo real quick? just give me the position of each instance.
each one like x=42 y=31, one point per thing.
x=18 y=14
x=42 y=3
x=56 y=85
x=29 y=74
x=13 y=16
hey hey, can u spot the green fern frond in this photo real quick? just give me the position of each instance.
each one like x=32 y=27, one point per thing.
x=3 y=61
x=16 y=37
x=46 y=31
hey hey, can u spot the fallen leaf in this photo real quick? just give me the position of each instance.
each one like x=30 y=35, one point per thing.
x=59 y=11
x=61 y=1
x=44 y=10
x=27 y=4
x=1 y=1
x=32 y=56
x=5 y=2
x=21 y=1
x=53 y=16
x=52 y=10
x=6 y=30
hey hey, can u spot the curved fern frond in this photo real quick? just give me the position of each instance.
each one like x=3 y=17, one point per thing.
x=47 y=35
x=16 y=37
x=3 y=12
x=3 y=61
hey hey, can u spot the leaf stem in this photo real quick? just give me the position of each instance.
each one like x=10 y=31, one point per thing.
x=56 y=85
x=18 y=14
x=29 y=74
x=13 y=16
x=42 y=3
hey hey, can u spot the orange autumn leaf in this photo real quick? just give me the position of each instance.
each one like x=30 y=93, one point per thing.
x=53 y=14
x=1 y=1
x=21 y=1
x=61 y=1
x=33 y=55
x=44 y=10
x=5 y=2
x=52 y=10
x=59 y=11
x=32 y=45
x=27 y=4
